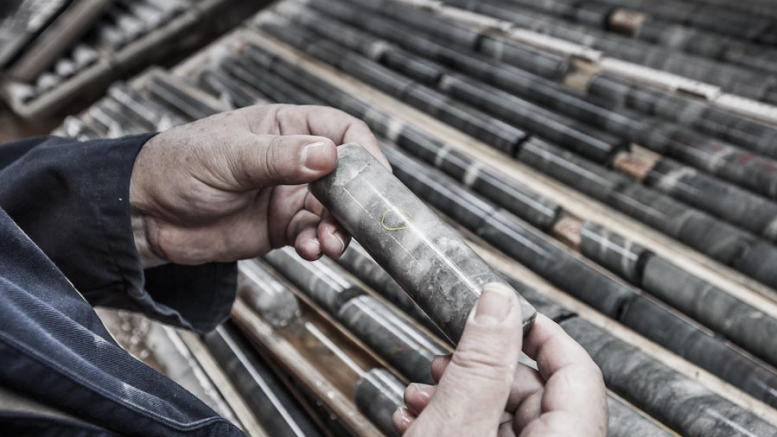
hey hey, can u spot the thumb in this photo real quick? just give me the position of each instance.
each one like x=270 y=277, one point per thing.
x=474 y=389
x=269 y=160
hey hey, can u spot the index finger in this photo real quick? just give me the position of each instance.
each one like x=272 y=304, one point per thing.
x=573 y=381
x=331 y=123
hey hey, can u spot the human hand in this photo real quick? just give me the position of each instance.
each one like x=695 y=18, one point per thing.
x=233 y=185
x=483 y=391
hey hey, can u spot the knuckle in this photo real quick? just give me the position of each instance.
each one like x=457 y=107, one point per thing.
x=361 y=124
x=483 y=365
x=441 y=416
x=596 y=373
x=272 y=160
x=320 y=108
x=333 y=111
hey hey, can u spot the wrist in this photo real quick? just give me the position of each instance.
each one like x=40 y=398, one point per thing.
x=140 y=229
x=148 y=258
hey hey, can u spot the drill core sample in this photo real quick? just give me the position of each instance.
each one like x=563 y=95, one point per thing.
x=425 y=255
x=378 y=395
x=265 y=294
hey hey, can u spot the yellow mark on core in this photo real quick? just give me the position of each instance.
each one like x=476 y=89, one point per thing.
x=403 y=224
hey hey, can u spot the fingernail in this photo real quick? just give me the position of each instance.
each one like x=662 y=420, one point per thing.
x=412 y=388
x=440 y=360
x=316 y=156
x=315 y=245
x=339 y=238
x=424 y=391
x=404 y=416
x=494 y=304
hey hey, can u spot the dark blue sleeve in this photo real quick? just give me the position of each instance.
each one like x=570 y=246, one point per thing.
x=55 y=350
x=72 y=199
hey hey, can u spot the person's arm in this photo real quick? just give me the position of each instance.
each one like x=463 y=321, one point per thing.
x=72 y=199
x=12 y=151
x=155 y=223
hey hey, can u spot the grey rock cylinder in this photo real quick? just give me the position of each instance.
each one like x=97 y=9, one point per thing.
x=424 y=254
x=745 y=325
x=360 y=264
x=613 y=251
x=324 y=285
x=265 y=294
x=378 y=395
x=624 y=421
x=670 y=397
x=265 y=395
x=400 y=343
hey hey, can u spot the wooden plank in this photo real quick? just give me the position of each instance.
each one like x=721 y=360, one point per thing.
x=247 y=419
x=306 y=371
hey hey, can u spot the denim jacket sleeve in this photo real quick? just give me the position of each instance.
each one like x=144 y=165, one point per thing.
x=71 y=198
